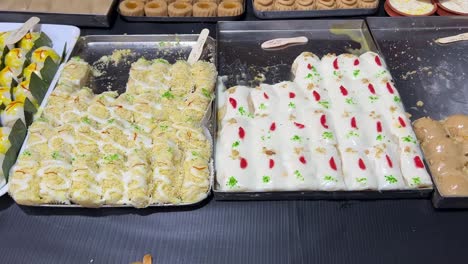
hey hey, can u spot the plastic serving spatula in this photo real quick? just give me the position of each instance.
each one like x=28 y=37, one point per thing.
x=18 y=34
x=198 y=48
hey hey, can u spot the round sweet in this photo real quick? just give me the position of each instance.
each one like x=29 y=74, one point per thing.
x=230 y=9
x=326 y=4
x=156 y=8
x=304 y=5
x=346 y=4
x=457 y=125
x=211 y=1
x=413 y=7
x=180 y=9
x=280 y=6
x=285 y=2
x=261 y=7
x=132 y=8
x=368 y=3
x=204 y=9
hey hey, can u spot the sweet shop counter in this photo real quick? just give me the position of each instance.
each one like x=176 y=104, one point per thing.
x=295 y=231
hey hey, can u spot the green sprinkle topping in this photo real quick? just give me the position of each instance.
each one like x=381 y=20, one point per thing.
x=235 y=144
x=361 y=180
x=325 y=104
x=356 y=73
x=409 y=139
x=86 y=120
x=136 y=127
x=78 y=58
x=194 y=153
x=27 y=153
x=170 y=149
x=416 y=180
x=296 y=138
x=379 y=137
x=396 y=99
x=161 y=61
x=242 y=112
x=299 y=176
x=350 y=101
x=379 y=74
x=163 y=127
x=391 y=179
x=373 y=98
x=206 y=93
x=266 y=179
x=73 y=159
x=232 y=182
x=266 y=137
x=110 y=121
x=352 y=134
x=167 y=95
x=336 y=73
x=327 y=135
x=309 y=76
x=55 y=155
x=111 y=157
x=330 y=178
x=292 y=105
x=41 y=119
x=262 y=106
x=130 y=98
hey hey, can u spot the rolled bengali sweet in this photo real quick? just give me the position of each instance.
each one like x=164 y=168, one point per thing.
x=15 y=59
x=24 y=183
x=85 y=188
x=40 y=54
x=110 y=176
x=182 y=81
x=326 y=160
x=32 y=39
x=21 y=92
x=14 y=111
x=148 y=75
x=5 y=96
x=137 y=178
x=384 y=160
x=196 y=177
x=357 y=169
x=413 y=168
x=75 y=73
x=233 y=103
x=53 y=174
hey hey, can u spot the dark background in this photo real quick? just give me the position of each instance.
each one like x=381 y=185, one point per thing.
x=384 y=231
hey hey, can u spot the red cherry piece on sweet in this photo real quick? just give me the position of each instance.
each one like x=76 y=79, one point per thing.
x=302 y=160
x=271 y=164
x=309 y=66
x=332 y=164
x=241 y=133
x=292 y=95
x=401 y=121
x=335 y=64
x=389 y=161
x=243 y=163
x=377 y=60
x=379 y=127
x=273 y=126
x=343 y=90
x=356 y=62
x=323 y=121
x=300 y=126
x=362 y=165
x=418 y=162
x=316 y=95
x=233 y=102
x=371 y=88
x=353 y=123
x=390 y=88
x=266 y=96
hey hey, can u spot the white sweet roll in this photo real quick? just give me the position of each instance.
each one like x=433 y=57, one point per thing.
x=358 y=171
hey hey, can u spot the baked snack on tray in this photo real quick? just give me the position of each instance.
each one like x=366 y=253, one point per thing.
x=326 y=4
x=132 y=8
x=205 y=9
x=230 y=8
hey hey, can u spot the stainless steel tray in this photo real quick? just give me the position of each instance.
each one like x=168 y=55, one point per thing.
x=241 y=59
x=425 y=71
x=114 y=77
x=314 y=13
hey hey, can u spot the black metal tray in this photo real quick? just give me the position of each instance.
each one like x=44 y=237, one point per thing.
x=426 y=71
x=182 y=19
x=315 y=13
x=241 y=59
x=82 y=20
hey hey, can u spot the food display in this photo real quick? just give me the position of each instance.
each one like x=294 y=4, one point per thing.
x=452 y=7
x=305 y=5
x=445 y=146
x=410 y=7
x=182 y=8
x=26 y=68
x=143 y=147
x=339 y=125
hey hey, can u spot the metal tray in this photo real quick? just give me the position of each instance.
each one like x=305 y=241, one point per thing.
x=115 y=77
x=315 y=13
x=82 y=20
x=241 y=59
x=182 y=19
x=425 y=71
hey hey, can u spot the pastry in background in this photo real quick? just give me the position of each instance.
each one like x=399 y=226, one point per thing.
x=306 y=4
x=284 y=5
x=205 y=9
x=180 y=9
x=368 y=3
x=346 y=4
x=132 y=8
x=230 y=9
x=156 y=8
x=212 y=1
x=326 y=4
x=263 y=5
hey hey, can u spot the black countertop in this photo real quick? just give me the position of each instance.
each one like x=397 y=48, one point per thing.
x=384 y=231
